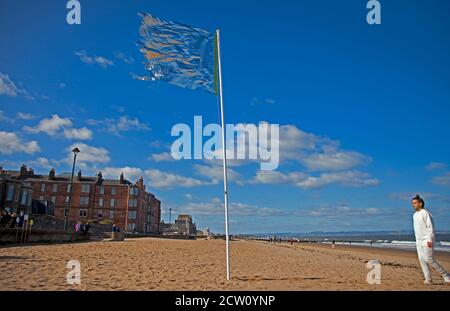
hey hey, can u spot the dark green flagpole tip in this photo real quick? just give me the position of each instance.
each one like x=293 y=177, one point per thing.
x=216 y=65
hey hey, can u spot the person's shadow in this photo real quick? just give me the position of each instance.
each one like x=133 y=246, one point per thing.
x=13 y=258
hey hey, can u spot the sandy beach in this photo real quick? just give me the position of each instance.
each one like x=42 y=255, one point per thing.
x=159 y=264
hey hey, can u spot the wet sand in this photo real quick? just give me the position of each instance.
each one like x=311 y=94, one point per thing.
x=160 y=264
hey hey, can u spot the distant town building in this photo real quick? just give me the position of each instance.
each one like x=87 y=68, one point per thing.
x=15 y=195
x=128 y=205
x=168 y=228
x=204 y=232
x=153 y=216
x=183 y=225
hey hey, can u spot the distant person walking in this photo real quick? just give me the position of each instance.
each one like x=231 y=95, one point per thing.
x=85 y=228
x=425 y=239
x=13 y=221
x=333 y=244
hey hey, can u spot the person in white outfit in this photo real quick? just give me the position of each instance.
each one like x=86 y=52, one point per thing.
x=425 y=240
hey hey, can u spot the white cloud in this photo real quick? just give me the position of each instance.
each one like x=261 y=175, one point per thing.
x=313 y=152
x=120 y=109
x=9 y=88
x=436 y=166
x=130 y=173
x=304 y=181
x=40 y=163
x=128 y=124
x=340 y=211
x=126 y=59
x=25 y=116
x=160 y=179
x=215 y=173
x=123 y=124
x=3 y=118
x=215 y=207
x=94 y=60
x=80 y=134
x=60 y=126
x=332 y=160
x=324 y=161
x=50 y=126
x=442 y=180
x=162 y=157
x=275 y=177
x=88 y=154
x=11 y=143
x=317 y=153
x=259 y=101
x=346 y=178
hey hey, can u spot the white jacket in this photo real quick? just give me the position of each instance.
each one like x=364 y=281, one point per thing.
x=423 y=226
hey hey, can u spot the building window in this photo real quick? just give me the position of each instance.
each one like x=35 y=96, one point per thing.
x=100 y=202
x=42 y=187
x=131 y=227
x=84 y=200
x=54 y=199
x=134 y=191
x=112 y=203
x=10 y=194
x=67 y=199
x=113 y=190
x=68 y=188
x=85 y=188
x=41 y=198
x=132 y=214
x=111 y=214
x=24 y=198
x=55 y=187
x=132 y=203
x=83 y=213
x=102 y=190
x=100 y=214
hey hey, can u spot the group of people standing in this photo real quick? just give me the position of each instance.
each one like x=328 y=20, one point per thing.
x=274 y=239
x=82 y=227
x=11 y=219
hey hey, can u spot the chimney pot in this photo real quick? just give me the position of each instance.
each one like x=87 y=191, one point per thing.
x=51 y=174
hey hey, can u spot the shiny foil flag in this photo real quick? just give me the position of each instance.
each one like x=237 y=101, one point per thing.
x=181 y=55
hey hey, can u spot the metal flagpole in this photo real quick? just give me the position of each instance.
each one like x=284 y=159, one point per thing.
x=224 y=151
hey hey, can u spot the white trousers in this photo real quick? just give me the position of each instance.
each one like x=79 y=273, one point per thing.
x=426 y=259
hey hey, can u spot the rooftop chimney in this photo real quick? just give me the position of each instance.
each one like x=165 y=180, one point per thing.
x=51 y=174
x=79 y=175
x=99 y=178
x=23 y=170
x=122 y=180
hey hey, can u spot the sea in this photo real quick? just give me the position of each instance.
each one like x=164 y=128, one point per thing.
x=392 y=240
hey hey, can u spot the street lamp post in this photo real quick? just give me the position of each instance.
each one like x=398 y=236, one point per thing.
x=66 y=211
x=170 y=216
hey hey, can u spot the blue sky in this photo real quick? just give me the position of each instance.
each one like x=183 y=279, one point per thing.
x=364 y=110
